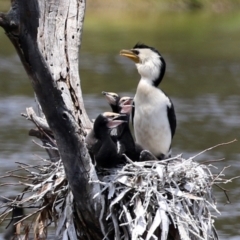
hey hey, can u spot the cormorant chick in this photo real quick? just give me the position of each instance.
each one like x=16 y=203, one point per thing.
x=108 y=154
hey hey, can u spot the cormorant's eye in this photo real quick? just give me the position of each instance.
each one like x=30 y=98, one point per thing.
x=135 y=52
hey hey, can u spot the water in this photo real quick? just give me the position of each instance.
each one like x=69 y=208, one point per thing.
x=202 y=78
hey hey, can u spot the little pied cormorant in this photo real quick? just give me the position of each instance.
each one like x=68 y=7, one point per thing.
x=107 y=155
x=154 y=117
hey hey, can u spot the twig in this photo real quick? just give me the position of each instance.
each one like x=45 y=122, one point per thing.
x=15 y=176
x=3 y=216
x=8 y=184
x=218 y=145
x=220 y=174
x=45 y=147
x=211 y=161
x=39 y=210
x=225 y=192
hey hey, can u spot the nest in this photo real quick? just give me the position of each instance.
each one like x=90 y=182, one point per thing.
x=169 y=199
x=144 y=200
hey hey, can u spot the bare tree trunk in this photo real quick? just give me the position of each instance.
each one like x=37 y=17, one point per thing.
x=46 y=35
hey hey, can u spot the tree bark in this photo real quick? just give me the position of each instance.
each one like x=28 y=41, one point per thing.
x=47 y=36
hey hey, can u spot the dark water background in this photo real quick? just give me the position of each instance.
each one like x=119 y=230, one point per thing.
x=202 y=52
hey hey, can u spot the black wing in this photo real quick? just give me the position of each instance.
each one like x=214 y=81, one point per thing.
x=172 y=118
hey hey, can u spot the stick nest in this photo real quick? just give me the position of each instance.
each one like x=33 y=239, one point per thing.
x=168 y=199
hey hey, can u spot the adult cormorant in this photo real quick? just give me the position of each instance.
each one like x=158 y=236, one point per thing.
x=154 y=117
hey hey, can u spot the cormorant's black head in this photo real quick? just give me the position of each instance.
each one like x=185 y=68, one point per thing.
x=113 y=100
x=149 y=62
x=106 y=121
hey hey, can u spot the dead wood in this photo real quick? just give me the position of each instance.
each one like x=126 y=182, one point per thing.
x=47 y=36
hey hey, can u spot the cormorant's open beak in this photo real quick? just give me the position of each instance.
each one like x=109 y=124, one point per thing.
x=126 y=109
x=117 y=120
x=126 y=106
x=130 y=54
x=128 y=101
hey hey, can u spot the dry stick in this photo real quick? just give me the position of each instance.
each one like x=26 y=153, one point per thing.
x=4 y=215
x=42 y=130
x=220 y=174
x=208 y=149
x=25 y=164
x=45 y=160
x=45 y=147
x=6 y=184
x=225 y=181
x=172 y=158
x=22 y=168
x=39 y=210
x=230 y=180
x=25 y=168
x=32 y=116
x=12 y=175
x=225 y=192
x=211 y=161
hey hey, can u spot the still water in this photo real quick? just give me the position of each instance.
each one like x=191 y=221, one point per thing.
x=202 y=53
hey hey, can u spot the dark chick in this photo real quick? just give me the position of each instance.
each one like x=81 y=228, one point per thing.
x=108 y=154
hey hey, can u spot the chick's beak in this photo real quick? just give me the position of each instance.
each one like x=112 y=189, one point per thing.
x=121 y=117
x=126 y=109
x=109 y=97
x=130 y=54
x=128 y=101
x=114 y=123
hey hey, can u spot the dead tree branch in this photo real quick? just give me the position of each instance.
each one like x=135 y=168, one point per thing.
x=47 y=36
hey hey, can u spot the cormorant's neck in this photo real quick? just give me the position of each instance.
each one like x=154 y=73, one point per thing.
x=152 y=71
x=101 y=132
x=157 y=81
x=115 y=108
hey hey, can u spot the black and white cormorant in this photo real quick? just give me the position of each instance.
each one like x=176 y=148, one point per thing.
x=107 y=155
x=154 y=117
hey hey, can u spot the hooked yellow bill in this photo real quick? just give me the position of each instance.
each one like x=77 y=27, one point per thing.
x=130 y=54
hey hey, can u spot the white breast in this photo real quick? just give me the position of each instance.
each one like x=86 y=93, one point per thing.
x=151 y=125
